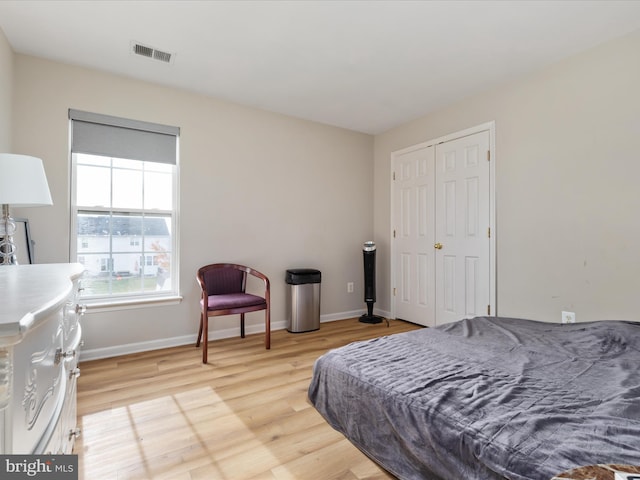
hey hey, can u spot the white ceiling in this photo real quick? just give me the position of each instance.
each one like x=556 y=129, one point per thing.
x=362 y=65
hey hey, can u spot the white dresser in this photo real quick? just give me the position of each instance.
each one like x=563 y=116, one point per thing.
x=39 y=345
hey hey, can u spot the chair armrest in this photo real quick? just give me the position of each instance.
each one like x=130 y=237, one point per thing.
x=264 y=278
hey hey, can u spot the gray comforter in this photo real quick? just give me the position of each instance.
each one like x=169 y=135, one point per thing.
x=488 y=398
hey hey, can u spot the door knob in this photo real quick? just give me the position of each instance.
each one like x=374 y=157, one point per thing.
x=438 y=246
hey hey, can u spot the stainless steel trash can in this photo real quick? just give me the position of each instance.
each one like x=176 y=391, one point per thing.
x=303 y=300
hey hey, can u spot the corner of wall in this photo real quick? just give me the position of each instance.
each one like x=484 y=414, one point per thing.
x=6 y=93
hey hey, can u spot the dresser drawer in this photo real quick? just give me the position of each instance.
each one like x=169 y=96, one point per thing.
x=39 y=385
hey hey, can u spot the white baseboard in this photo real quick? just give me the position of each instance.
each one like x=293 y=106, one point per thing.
x=115 y=351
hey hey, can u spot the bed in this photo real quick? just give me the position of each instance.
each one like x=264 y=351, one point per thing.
x=487 y=398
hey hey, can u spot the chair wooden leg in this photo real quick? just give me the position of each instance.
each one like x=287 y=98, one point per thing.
x=205 y=338
x=242 y=325
x=267 y=327
x=199 y=331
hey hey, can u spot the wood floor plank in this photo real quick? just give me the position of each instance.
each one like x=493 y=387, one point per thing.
x=244 y=416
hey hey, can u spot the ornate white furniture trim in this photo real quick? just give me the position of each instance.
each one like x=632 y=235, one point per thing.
x=39 y=344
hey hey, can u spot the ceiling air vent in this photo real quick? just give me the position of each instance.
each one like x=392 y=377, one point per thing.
x=162 y=56
x=151 y=52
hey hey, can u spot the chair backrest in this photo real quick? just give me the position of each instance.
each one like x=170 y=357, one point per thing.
x=221 y=279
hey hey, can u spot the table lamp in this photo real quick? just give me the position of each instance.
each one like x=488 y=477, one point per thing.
x=23 y=183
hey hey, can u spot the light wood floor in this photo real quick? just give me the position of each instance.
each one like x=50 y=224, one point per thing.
x=245 y=415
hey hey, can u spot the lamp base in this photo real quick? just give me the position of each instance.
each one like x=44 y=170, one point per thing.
x=7 y=229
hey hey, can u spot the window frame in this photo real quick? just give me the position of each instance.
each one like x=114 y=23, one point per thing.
x=138 y=299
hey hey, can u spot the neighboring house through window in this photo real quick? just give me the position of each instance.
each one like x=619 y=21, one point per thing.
x=124 y=206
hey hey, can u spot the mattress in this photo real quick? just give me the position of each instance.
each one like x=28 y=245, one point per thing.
x=487 y=398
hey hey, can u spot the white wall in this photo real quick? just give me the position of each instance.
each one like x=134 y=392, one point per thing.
x=258 y=188
x=6 y=93
x=568 y=144
x=276 y=192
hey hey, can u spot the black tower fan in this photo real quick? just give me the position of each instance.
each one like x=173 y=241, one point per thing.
x=369 y=257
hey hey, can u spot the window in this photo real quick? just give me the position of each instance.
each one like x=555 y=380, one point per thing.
x=124 y=207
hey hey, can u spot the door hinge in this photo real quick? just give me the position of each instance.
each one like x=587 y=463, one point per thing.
x=394 y=233
x=394 y=175
x=488 y=309
x=488 y=155
x=489 y=232
x=394 y=291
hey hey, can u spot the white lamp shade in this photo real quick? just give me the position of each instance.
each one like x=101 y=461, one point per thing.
x=23 y=182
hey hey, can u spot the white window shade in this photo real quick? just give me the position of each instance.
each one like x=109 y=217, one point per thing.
x=105 y=135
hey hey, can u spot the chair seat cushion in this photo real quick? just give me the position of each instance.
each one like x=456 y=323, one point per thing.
x=234 y=300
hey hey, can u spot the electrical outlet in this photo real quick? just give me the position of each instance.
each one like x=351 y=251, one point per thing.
x=568 y=317
x=350 y=287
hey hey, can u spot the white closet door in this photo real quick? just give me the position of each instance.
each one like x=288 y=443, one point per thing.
x=462 y=220
x=414 y=211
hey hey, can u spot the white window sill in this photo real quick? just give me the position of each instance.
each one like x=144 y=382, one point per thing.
x=100 y=305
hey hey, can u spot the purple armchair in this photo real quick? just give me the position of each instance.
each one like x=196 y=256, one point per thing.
x=223 y=293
